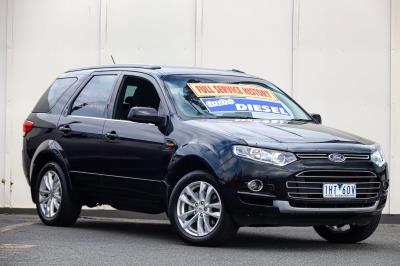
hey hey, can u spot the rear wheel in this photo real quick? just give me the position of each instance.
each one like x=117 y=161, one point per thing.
x=197 y=211
x=54 y=201
x=348 y=233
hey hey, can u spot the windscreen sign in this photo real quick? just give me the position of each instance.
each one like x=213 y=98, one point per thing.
x=221 y=97
x=215 y=105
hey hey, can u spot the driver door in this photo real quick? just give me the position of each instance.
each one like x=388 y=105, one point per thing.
x=136 y=151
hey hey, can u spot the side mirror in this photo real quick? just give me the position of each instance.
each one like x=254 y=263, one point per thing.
x=145 y=115
x=317 y=118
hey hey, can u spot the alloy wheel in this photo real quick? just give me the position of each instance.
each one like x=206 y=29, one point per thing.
x=199 y=208
x=50 y=193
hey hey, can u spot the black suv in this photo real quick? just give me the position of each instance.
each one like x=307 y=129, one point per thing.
x=214 y=149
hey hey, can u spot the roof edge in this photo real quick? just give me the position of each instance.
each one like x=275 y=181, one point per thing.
x=115 y=66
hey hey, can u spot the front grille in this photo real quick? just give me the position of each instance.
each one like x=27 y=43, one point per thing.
x=307 y=187
x=347 y=156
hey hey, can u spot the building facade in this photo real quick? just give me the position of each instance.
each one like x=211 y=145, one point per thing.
x=337 y=58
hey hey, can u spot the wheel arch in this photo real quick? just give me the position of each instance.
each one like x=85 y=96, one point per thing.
x=190 y=158
x=186 y=165
x=47 y=151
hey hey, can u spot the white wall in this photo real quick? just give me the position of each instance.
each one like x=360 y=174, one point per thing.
x=342 y=58
x=46 y=38
x=158 y=32
x=394 y=203
x=3 y=63
x=338 y=58
x=253 y=36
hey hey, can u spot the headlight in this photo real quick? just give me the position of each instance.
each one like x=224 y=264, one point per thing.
x=279 y=158
x=377 y=158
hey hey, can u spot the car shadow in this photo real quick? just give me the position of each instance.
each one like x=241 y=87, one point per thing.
x=162 y=231
x=269 y=241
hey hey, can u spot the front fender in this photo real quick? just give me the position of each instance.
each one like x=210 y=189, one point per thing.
x=216 y=158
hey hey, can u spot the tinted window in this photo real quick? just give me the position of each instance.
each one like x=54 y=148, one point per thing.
x=93 y=99
x=51 y=96
x=130 y=90
x=135 y=92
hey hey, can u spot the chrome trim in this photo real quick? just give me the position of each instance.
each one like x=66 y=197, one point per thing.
x=328 y=182
x=287 y=186
x=118 y=176
x=372 y=174
x=333 y=176
x=106 y=119
x=370 y=187
x=312 y=156
x=290 y=194
x=284 y=207
x=255 y=194
x=299 y=190
x=357 y=157
x=351 y=156
x=260 y=187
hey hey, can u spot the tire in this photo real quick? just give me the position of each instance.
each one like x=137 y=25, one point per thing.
x=213 y=230
x=354 y=233
x=51 y=190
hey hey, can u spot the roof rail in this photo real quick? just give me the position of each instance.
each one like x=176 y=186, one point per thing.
x=237 y=70
x=116 y=66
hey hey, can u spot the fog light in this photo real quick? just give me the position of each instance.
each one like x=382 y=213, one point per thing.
x=255 y=185
x=385 y=185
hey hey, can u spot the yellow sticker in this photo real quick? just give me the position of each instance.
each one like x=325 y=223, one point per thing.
x=203 y=90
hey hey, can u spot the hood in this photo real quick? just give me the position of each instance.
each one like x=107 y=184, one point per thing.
x=283 y=133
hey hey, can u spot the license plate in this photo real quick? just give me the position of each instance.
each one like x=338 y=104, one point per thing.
x=338 y=190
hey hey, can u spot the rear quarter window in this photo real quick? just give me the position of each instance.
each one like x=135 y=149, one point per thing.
x=53 y=94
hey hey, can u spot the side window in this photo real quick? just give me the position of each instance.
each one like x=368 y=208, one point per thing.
x=51 y=96
x=135 y=92
x=128 y=94
x=93 y=99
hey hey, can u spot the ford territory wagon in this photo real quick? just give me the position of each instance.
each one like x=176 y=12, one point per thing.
x=214 y=149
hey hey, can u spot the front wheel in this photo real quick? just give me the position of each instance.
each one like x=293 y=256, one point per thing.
x=197 y=211
x=348 y=233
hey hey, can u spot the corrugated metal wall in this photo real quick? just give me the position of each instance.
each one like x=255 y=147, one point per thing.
x=338 y=58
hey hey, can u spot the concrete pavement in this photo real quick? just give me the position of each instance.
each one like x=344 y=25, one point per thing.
x=109 y=241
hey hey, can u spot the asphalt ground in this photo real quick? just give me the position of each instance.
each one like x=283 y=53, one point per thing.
x=113 y=241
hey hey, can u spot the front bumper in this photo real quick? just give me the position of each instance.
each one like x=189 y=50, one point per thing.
x=274 y=205
x=285 y=207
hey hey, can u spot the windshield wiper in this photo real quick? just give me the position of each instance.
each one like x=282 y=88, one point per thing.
x=236 y=117
x=301 y=120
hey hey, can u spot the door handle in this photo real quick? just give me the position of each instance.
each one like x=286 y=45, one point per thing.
x=65 y=129
x=112 y=135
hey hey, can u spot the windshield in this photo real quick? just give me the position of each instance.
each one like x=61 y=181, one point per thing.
x=217 y=96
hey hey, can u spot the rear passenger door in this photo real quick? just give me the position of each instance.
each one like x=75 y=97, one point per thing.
x=80 y=129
